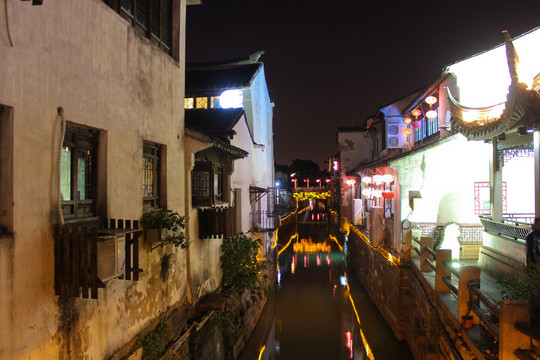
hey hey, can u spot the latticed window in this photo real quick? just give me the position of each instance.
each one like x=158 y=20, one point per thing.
x=78 y=169
x=189 y=103
x=201 y=184
x=151 y=175
x=153 y=16
x=201 y=103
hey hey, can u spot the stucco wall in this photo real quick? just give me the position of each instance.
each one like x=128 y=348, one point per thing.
x=445 y=176
x=83 y=56
x=355 y=149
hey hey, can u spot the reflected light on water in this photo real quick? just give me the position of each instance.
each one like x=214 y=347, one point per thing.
x=261 y=352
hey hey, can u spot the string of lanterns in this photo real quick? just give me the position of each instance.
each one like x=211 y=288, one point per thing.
x=373 y=186
x=430 y=114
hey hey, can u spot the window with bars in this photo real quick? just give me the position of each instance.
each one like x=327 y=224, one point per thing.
x=428 y=128
x=78 y=167
x=151 y=181
x=153 y=16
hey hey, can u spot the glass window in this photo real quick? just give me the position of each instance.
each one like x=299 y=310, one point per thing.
x=189 y=103
x=214 y=102
x=78 y=170
x=201 y=103
x=151 y=175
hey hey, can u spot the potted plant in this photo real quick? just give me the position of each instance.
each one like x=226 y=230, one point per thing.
x=164 y=226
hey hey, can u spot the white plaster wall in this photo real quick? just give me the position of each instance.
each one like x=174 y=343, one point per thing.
x=262 y=112
x=83 y=56
x=243 y=175
x=355 y=149
x=445 y=175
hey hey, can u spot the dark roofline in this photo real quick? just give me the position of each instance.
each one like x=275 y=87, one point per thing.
x=221 y=144
x=251 y=59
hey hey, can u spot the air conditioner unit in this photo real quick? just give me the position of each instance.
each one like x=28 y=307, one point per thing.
x=111 y=256
x=395 y=138
x=376 y=225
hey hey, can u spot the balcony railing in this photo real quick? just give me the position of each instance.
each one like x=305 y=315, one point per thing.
x=469 y=234
x=513 y=229
x=264 y=220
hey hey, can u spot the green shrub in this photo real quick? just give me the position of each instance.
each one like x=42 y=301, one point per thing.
x=525 y=288
x=241 y=269
x=169 y=220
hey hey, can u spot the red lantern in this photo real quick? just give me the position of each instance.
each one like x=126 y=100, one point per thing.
x=387 y=194
x=416 y=124
x=416 y=112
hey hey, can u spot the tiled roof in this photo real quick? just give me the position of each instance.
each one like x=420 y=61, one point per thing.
x=214 y=79
x=217 y=122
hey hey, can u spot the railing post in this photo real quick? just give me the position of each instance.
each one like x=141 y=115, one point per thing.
x=467 y=274
x=441 y=270
x=425 y=242
x=510 y=338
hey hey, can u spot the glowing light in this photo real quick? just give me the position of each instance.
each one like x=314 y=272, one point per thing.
x=351 y=182
x=343 y=280
x=367 y=192
x=308 y=195
x=407 y=131
x=231 y=99
x=332 y=237
x=387 y=194
x=369 y=353
x=366 y=180
x=307 y=246
x=456 y=265
x=349 y=344
x=431 y=100
x=377 y=179
x=277 y=183
x=416 y=112
x=388 y=178
x=327 y=180
x=407 y=120
x=327 y=260
x=336 y=165
x=431 y=114
x=480 y=115
x=261 y=351
x=377 y=193
x=305 y=261
x=416 y=124
x=318 y=260
x=275 y=240
x=287 y=245
x=293 y=265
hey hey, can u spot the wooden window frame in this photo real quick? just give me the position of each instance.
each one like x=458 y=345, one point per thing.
x=79 y=138
x=156 y=153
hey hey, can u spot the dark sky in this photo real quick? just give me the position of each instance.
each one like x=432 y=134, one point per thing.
x=333 y=63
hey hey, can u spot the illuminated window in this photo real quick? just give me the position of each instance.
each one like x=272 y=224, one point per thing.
x=201 y=102
x=78 y=170
x=428 y=128
x=151 y=181
x=189 y=103
x=214 y=102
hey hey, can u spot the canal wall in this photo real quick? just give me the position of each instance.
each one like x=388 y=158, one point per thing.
x=409 y=304
x=386 y=283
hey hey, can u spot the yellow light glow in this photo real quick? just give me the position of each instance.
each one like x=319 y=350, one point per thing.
x=332 y=237
x=377 y=179
x=483 y=115
x=388 y=178
x=366 y=180
x=308 y=246
x=369 y=353
x=274 y=242
x=261 y=351
x=287 y=245
x=308 y=195
x=431 y=100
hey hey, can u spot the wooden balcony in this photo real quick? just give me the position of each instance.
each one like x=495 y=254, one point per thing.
x=217 y=222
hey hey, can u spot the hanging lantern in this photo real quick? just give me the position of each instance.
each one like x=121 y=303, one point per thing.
x=431 y=114
x=377 y=179
x=376 y=193
x=416 y=124
x=387 y=194
x=431 y=100
x=387 y=178
x=366 y=180
x=351 y=182
x=416 y=112
x=407 y=120
x=367 y=192
x=407 y=131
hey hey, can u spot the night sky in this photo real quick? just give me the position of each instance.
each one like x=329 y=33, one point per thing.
x=334 y=63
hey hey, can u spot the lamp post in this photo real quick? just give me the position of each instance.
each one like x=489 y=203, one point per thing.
x=320 y=183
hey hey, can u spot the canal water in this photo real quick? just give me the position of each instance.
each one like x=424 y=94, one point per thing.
x=318 y=309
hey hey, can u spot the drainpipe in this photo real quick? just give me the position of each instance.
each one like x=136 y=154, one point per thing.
x=188 y=165
x=495 y=180
x=536 y=141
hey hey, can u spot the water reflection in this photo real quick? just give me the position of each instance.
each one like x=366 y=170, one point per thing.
x=317 y=311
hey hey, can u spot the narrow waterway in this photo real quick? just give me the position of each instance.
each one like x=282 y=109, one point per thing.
x=318 y=310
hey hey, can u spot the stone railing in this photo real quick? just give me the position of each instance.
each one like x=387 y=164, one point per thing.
x=507 y=322
x=469 y=234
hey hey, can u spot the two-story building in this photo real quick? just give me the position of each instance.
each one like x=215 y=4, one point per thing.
x=92 y=136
